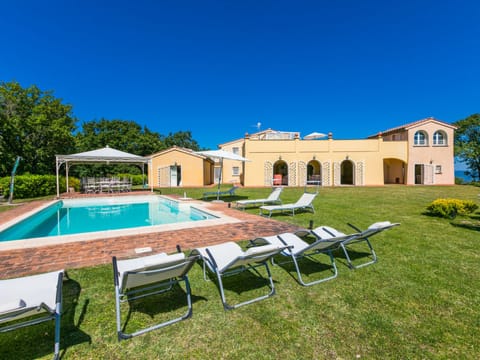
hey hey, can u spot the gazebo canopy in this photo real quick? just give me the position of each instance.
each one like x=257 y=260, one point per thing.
x=105 y=155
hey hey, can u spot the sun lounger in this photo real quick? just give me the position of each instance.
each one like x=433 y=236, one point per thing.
x=273 y=198
x=229 y=192
x=31 y=300
x=229 y=259
x=305 y=202
x=322 y=232
x=150 y=275
x=298 y=249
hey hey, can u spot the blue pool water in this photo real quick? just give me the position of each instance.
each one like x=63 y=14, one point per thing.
x=86 y=215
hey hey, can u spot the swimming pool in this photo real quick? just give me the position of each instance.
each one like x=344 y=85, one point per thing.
x=93 y=215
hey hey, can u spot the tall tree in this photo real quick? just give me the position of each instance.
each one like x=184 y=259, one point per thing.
x=122 y=135
x=34 y=125
x=182 y=139
x=119 y=134
x=467 y=144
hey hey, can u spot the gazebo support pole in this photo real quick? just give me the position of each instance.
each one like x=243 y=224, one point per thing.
x=66 y=175
x=150 y=173
x=220 y=179
x=58 y=185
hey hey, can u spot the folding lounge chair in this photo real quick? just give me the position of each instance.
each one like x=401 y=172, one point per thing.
x=297 y=249
x=229 y=192
x=229 y=259
x=150 y=275
x=305 y=202
x=273 y=198
x=325 y=231
x=31 y=300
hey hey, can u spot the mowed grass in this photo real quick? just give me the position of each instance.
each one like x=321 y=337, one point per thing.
x=421 y=300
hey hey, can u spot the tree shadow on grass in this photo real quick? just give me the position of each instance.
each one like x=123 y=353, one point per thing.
x=224 y=198
x=467 y=224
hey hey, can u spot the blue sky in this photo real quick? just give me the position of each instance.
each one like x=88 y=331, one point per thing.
x=218 y=68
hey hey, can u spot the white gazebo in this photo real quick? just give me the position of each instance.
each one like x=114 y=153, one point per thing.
x=105 y=155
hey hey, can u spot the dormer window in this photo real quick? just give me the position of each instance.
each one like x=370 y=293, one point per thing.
x=420 y=139
x=439 y=138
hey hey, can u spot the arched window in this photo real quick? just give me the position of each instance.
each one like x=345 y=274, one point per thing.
x=439 y=138
x=420 y=139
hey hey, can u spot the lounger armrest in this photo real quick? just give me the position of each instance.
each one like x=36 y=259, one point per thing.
x=58 y=297
x=211 y=258
x=116 y=275
x=13 y=314
x=287 y=246
x=282 y=241
x=354 y=227
x=12 y=307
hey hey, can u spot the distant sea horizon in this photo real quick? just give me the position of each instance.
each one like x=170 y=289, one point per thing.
x=461 y=174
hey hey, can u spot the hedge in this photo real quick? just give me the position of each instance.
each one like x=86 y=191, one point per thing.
x=32 y=186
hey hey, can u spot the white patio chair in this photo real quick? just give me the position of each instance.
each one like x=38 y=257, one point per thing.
x=150 y=275
x=229 y=259
x=273 y=198
x=322 y=232
x=298 y=249
x=31 y=300
x=305 y=202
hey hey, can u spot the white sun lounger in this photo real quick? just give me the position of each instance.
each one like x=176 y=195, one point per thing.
x=150 y=275
x=298 y=248
x=229 y=259
x=229 y=192
x=305 y=202
x=273 y=198
x=322 y=232
x=31 y=300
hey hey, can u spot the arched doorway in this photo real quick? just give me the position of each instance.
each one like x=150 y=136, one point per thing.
x=314 y=172
x=280 y=173
x=393 y=171
x=347 y=173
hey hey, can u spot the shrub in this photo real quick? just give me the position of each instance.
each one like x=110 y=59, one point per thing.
x=32 y=186
x=450 y=208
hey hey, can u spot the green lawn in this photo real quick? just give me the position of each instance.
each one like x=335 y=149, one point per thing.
x=420 y=301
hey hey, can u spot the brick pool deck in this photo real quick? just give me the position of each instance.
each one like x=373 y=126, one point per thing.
x=19 y=262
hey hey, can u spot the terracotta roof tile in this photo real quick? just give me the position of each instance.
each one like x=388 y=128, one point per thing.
x=410 y=125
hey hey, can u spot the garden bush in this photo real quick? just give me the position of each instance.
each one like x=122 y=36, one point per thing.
x=450 y=208
x=31 y=186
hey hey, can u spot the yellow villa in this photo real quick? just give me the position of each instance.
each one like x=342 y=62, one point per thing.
x=416 y=153
x=180 y=167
